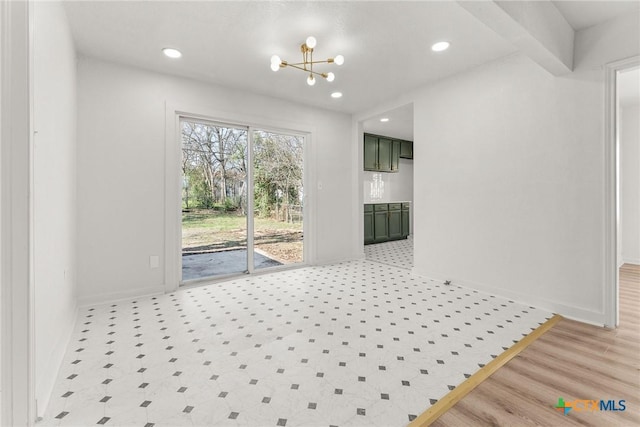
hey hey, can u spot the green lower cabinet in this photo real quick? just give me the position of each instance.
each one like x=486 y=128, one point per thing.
x=405 y=222
x=395 y=223
x=380 y=226
x=385 y=221
x=369 y=236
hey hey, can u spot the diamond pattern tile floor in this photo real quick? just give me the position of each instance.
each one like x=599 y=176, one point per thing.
x=352 y=344
x=398 y=253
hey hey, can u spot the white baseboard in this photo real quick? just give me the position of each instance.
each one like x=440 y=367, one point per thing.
x=568 y=311
x=634 y=261
x=90 y=300
x=50 y=375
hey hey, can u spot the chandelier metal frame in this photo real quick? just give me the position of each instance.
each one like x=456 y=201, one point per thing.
x=307 y=62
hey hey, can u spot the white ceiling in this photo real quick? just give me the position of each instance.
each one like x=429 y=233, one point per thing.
x=400 y=124
x=386 y=44
x=628 y=83
x=583 y=14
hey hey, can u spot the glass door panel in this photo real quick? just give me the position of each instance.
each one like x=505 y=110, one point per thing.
x=214 y=199
x=278 y=199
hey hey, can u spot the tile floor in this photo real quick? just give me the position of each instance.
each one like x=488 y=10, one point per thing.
x=352 y=344
x=398 y=253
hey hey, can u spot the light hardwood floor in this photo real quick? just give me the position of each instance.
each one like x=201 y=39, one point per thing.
x=574 y=361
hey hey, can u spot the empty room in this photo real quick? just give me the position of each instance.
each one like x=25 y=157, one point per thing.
x=320 y=213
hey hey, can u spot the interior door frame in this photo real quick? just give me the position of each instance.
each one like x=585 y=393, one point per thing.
x=173 y=188
x=611 y=291
x=17 y=379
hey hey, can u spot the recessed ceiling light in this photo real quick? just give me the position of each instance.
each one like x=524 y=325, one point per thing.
x=384 y=119
x=336 y=95
x=440 y=46
x=171 y=53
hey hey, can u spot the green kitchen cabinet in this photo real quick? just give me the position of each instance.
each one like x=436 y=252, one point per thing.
x=380 y=223
x=369 y=236
x=370 y=153
x=406 y=149
x=405 y=219
x=384 y=222
x=381 y=154
x=395 y=221
x=385 y=151
x=396 y=148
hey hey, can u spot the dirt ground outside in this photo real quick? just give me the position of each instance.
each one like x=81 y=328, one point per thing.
x=205 y=231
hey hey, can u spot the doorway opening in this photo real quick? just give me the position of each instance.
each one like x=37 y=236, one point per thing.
x=622 y=178
x=386 y=168
x=628 y=172
x=242 y=199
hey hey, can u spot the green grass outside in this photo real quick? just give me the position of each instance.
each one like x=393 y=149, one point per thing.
x=228 y=221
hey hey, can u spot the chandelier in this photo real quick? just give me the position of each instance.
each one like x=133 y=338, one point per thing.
x=307 y=62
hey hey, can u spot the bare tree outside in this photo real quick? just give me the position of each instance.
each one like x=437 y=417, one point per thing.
x=279 y=194
x=214 y=159
x=214 y=193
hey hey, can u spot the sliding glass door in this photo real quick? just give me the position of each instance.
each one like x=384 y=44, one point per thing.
x=214 y=199
x=278 y=161
x=242 y=199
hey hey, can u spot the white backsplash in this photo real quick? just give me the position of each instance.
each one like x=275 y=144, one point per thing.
x=376 y=187
x=389 y=187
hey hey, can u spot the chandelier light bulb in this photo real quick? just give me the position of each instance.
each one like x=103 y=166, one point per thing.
x=331 y=77
x=311 y=42
x=274 y=66
x=311 y=80
x=339 y=60
x=275 y=59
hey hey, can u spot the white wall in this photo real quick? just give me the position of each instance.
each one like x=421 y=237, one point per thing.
x=629 y=173
x=54 y=198
x=511 y=177
x=121 y=171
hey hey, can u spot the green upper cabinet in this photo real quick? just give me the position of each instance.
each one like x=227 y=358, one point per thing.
x=370 y=153
x=406 y=149
x=395 y=156
x=385 y=152
x=382 y=154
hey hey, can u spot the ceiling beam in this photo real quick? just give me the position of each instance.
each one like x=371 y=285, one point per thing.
x=536 y=28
